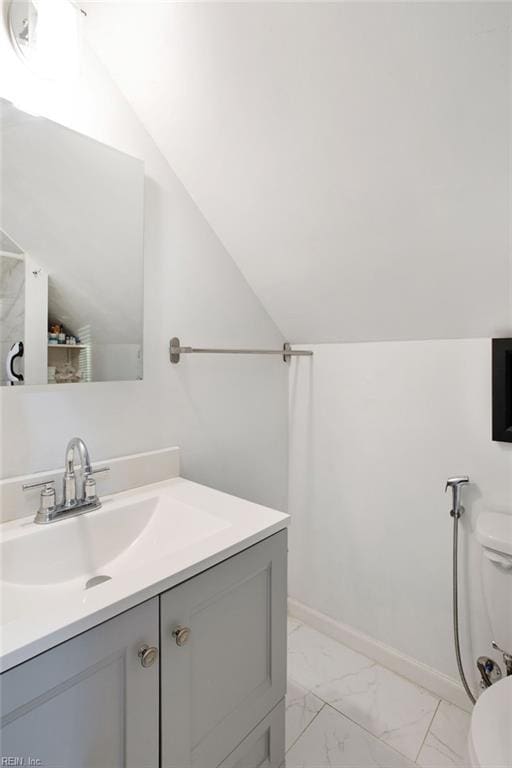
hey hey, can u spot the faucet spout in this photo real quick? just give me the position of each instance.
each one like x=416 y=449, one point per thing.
x=72 y=494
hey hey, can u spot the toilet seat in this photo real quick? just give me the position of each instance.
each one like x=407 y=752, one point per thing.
x=490 y=732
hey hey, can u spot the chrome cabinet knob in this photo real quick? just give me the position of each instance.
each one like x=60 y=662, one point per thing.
x=181 y=635
x=147 y=655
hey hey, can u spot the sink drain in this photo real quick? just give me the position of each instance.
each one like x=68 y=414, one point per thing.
x=95 y=580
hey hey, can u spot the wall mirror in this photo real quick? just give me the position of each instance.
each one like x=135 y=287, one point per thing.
x=71 y=255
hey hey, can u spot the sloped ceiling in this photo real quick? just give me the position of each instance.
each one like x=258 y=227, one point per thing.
x=8 y=245
x=354 y=158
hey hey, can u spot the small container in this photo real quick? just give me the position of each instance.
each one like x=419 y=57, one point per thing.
x=62 y=338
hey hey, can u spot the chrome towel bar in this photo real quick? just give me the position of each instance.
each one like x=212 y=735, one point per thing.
x=176 y=350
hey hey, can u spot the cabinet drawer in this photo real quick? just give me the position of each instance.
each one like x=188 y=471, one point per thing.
x=231 y=671
x=264 y=746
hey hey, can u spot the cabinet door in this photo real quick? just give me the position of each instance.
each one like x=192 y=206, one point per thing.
x=87 y=703
x=231 y=671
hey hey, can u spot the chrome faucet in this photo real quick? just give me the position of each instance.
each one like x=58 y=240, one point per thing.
x=78 y=494
x=70 y=497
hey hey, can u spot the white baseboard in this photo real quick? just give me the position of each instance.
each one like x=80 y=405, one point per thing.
x=441 y=685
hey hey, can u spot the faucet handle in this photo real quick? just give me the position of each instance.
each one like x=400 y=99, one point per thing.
x=98 y=470
x=90 y=489
x=90 y=494
x=46 y=483
x=47 y=500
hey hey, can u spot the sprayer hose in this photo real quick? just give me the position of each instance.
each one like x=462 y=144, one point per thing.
x=456 y=607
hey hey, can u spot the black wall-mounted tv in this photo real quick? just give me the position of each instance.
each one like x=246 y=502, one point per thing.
x=502 y=390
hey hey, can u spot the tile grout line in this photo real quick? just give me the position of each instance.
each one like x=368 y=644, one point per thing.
x=428 y=730
x=343 y=714
x=374 y=662
x=363 y=727
x=430 y=692
x=373 y=736
x=301 y=734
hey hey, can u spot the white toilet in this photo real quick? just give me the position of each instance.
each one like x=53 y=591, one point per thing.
x=490 y=734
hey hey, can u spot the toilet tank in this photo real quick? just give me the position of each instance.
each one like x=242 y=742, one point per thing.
x=494 y=532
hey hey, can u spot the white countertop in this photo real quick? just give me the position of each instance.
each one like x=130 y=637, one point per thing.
x=162 y=552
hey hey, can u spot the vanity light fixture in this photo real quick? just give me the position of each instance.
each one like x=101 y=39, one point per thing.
x=46 y=36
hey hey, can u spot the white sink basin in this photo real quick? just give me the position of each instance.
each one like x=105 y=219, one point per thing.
x=63 y=578
x=106 y=542
x=67 y=549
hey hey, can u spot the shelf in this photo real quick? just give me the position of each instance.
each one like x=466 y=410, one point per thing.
x=67 y=346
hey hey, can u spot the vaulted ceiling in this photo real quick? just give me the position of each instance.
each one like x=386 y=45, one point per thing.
x=354 y=158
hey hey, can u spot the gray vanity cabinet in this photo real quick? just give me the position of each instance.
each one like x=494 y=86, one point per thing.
x=219 y=683
x=89 y=702
x=210 y=695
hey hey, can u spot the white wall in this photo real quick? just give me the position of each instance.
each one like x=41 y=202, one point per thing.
x=355 y=159
x=119 y=362
x=228 y=414
x=352 y=156
x=375 y=430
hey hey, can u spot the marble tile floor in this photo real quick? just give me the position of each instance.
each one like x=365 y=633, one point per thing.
x=344 y=710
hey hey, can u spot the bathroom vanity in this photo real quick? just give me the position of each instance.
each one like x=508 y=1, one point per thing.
x=155 y=634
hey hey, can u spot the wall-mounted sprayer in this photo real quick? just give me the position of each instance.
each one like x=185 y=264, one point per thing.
x=456 y=485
